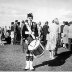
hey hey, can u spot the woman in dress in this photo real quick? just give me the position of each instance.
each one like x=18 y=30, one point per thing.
x=52 y=37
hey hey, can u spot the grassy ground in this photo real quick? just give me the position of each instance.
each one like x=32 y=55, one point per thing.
x=12 y=58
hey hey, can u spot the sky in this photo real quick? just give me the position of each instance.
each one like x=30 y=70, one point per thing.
x=43 y=10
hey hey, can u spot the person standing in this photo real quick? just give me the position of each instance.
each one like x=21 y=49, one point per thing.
x=12 y=32
x=18 y=31
x=22 y=29
x=31 y=33
x=5 y=30
x=39 y=30
x=15 y=31
x=0 y=35
x=70 y=36
x=52 y=38
x=61 y=34
x=65 y=35
x=45 y=32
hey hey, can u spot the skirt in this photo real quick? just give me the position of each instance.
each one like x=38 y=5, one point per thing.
x=51 y=42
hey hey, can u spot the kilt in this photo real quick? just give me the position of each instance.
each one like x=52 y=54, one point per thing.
x=25 y=45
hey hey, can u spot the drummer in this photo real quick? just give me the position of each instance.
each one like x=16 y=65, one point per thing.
x=31 y=33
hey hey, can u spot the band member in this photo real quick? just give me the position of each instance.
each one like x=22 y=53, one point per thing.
x=31 y=33
x=53 y=35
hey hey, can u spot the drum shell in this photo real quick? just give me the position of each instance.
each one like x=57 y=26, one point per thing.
x=36 y=47
x=38 y=51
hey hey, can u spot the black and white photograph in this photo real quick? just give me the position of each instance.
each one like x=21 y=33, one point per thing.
x=35 y=35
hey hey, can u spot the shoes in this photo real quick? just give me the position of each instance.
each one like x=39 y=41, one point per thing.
x=52 y=58
x=32 y=69
x=26 y=69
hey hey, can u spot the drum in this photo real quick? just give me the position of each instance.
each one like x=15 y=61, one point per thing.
x=37 y=48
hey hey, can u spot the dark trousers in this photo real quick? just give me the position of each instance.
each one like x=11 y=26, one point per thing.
x=8 y=40
x=44 y=40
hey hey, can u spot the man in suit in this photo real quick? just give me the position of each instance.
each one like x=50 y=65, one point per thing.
x=30 y=33
x=15 y=30
x=45 y=32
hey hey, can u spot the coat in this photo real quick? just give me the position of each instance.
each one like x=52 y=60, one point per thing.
x=70 y=31
x=65 y=34
x=52 y=37
x=33 y=29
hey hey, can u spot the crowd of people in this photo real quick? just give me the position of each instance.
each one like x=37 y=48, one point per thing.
x=51 y=35
x=16 y=32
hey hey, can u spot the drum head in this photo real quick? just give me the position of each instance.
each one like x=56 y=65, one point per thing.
x=33 y=45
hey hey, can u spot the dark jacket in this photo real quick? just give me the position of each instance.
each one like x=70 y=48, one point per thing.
x=33 y=28
x=45 y=29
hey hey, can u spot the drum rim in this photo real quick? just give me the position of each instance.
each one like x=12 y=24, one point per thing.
x=39 y=55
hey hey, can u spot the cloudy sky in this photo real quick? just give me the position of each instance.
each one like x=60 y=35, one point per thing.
x=42 y=10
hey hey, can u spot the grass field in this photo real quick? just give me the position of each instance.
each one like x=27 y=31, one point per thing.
x=12 y=58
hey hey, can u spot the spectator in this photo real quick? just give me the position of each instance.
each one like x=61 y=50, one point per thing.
x=22 y=29
x=12 y=32
x=39 y=29
x=70 y=35
x=8 y=38
x=45 y=32
x=52 y=40
x=65 y=35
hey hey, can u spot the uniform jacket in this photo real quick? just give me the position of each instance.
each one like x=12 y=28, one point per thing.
x=33 y=28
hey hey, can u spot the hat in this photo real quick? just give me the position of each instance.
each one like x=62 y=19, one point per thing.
x=30 y=15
